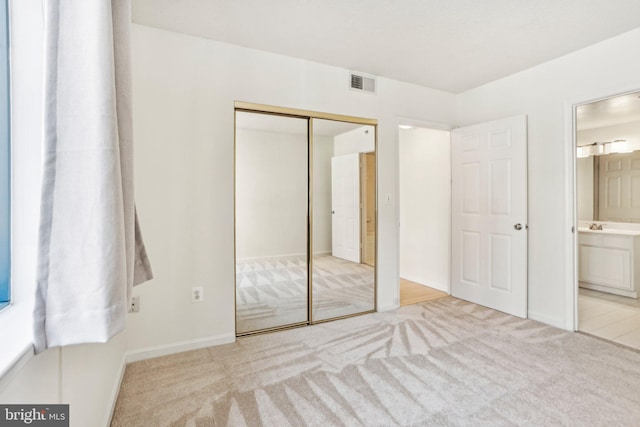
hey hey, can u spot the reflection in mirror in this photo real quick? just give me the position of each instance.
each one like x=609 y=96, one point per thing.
x=271 y=221
x=609 y=188
x=344 y=215
x=608 y=163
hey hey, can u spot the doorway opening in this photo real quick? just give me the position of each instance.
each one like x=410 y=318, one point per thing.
x=476 y=236
x=607 y=215
x=425 y=213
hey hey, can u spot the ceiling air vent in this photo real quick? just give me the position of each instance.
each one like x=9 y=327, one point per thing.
x=362 y=82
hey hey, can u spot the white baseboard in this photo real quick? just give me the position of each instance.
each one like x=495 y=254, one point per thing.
x=549 y=320
x=179 y=347
x=115 y=391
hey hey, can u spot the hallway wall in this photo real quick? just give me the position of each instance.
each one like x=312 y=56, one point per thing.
x=425 y=206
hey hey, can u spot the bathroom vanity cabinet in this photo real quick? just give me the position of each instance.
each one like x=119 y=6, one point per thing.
x=609 y=261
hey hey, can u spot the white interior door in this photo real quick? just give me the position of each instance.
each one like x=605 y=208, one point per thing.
x=619 y=187
x=345 y=207
x=489 y=214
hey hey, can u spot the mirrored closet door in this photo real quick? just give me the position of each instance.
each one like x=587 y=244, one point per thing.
x=344 y=203
x=305 y=209
x=271 y=221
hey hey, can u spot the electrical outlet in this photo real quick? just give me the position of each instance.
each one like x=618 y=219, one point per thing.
x=197 y=294
x=134 y=305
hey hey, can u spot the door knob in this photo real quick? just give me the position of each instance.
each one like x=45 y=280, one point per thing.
x=518 y=226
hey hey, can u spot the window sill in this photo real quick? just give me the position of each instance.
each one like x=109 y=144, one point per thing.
x=16 y=339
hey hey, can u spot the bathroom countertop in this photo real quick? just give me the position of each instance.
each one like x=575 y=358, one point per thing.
x=610 y=231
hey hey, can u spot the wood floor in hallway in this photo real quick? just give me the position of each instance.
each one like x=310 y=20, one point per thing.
x=413 y=293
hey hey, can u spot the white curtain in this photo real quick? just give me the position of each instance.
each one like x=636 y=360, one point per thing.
x=90 y=251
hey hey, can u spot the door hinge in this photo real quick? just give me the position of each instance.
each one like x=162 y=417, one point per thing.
x=573 y=229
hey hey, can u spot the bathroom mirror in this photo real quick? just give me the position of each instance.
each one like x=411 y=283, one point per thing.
x=271 y=221
x=609 y=188
x=344 y=219
x=608 y=163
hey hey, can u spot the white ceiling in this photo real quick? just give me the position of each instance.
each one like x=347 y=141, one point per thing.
x=609 y=112
x=452 y=45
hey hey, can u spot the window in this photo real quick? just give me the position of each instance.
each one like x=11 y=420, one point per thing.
x=5 y=173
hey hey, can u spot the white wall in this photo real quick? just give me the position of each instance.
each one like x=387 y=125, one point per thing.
x=84 y=376
x=584 y=188
x=360 y=140
x=184 y=89
x=271 y=193
x=425 y=206
x=541 y=93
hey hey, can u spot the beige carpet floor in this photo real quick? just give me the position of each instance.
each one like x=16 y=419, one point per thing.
x=441 y=363
x=272 y=292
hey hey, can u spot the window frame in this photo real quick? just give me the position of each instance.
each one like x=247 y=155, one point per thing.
x=5 y=159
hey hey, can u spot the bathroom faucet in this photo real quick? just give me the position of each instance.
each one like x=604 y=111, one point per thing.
x=595 y=226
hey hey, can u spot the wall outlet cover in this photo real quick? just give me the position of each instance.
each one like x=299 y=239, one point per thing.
x=134 y=305
x=197 y=294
